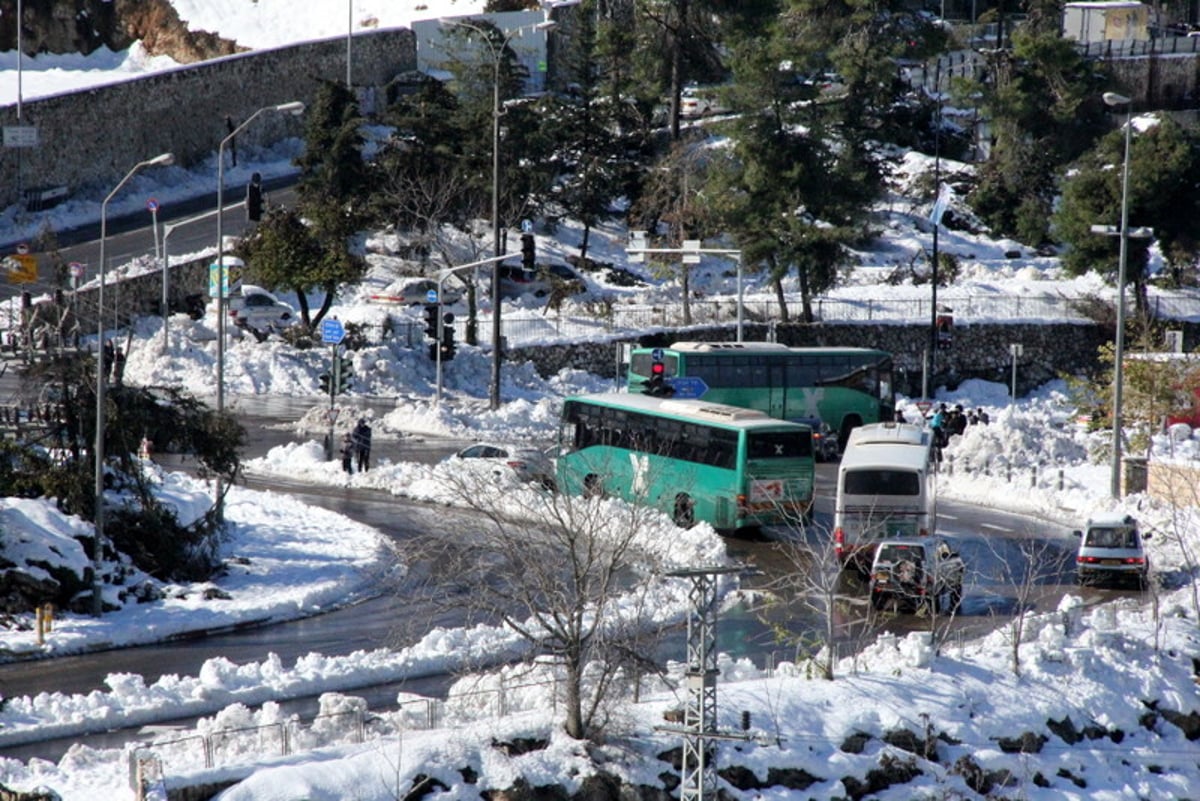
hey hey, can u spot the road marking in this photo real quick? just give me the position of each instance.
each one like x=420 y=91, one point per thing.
x=994 y=526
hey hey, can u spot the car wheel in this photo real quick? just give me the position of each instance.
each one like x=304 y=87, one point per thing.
x=685 y=511
x=285 y=316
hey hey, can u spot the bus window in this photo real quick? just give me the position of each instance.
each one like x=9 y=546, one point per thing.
x=881 y=482
x=778 y=444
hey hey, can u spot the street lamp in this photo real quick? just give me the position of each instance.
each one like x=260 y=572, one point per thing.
x=497 y=52
x=163 y=159
x=295 y=107
x=1113 y=99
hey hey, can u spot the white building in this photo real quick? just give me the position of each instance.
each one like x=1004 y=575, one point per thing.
x=1106 y=20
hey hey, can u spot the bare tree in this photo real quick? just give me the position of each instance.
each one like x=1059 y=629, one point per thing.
x=1026 y=566
x=816 y=580
x=423 y=201
x=572 y=576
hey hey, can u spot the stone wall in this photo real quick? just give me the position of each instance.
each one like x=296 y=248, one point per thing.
x=94 y=137
x=979 y=350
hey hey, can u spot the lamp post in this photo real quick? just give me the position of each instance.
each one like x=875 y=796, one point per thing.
x=295 y=107
x=1113 y=99
x=101 y=378
x=496 y=49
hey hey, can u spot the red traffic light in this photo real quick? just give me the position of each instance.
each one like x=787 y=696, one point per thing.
x=658 y=368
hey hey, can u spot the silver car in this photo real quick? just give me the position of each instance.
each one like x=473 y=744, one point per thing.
x=258 y=309
x=502 y=461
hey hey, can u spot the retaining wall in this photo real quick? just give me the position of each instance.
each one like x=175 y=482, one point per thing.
x=95 y=136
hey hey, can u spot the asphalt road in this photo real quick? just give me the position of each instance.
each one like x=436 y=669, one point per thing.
x=999 y=550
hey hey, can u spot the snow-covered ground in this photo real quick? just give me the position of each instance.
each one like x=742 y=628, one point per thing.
x=1123 y=669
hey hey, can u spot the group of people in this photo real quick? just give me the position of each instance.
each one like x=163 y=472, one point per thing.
x=114 y=362
x=949 y=422
x=356 y=448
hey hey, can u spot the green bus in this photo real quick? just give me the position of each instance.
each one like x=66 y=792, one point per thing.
x=844 y=387
x=694 y=460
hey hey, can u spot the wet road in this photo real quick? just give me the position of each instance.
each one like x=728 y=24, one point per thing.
x=999 y=550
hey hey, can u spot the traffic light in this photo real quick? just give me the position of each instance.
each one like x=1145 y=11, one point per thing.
x=345 y=372
x=432 y=327
x=447 y=337
x=254 y=198
x=527 y=251
x=326 y=383
x=656 y=384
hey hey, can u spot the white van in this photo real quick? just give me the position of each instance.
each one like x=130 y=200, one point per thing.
x=886 y=487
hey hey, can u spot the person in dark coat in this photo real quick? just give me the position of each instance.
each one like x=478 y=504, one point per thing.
x=362 y=444
x=347 y=452
x=118 y=366
x=106 y=355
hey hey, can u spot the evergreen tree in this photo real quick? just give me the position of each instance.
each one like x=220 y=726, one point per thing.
x=1164 y=169
x=1043 y=102
x=794 y=190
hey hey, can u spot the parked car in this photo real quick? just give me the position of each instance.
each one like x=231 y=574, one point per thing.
x=699 y=101
x=1112 y=548
x=505 y=461
x=917 y=573
x=256 y=308
x=825 y=439
x=517 y=280
x=415 y=292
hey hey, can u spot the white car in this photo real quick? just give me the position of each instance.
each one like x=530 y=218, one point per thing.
x=415 y=292
x=505 y=461
x=258 y=309
x=1112 y=547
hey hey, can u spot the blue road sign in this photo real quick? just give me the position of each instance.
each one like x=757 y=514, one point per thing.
x=656 y=355
x=431 y=296
x=687 y=386
x=332 y=331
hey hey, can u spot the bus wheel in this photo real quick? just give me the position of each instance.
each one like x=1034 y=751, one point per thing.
x=685 y=511
x=593 y=487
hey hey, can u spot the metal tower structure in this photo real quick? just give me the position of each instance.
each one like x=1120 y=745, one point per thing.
x=697 y=773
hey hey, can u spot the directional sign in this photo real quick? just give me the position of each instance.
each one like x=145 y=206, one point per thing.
x=151 y=205
x=332 y=331
x=431 y=296
x=687 y=386
x=22 y=266
x=20 y=136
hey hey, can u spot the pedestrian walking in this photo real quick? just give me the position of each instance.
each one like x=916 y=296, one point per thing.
x=362 y=444
x=107 y=355
x=347 y=453
x=983 y=416
x=118 y=366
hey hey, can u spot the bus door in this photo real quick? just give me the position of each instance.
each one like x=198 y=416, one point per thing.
x=775 y=375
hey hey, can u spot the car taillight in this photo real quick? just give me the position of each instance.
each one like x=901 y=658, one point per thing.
x=839 y=541
x=1086 y=560
x=1135 y=560
x=516 y=465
